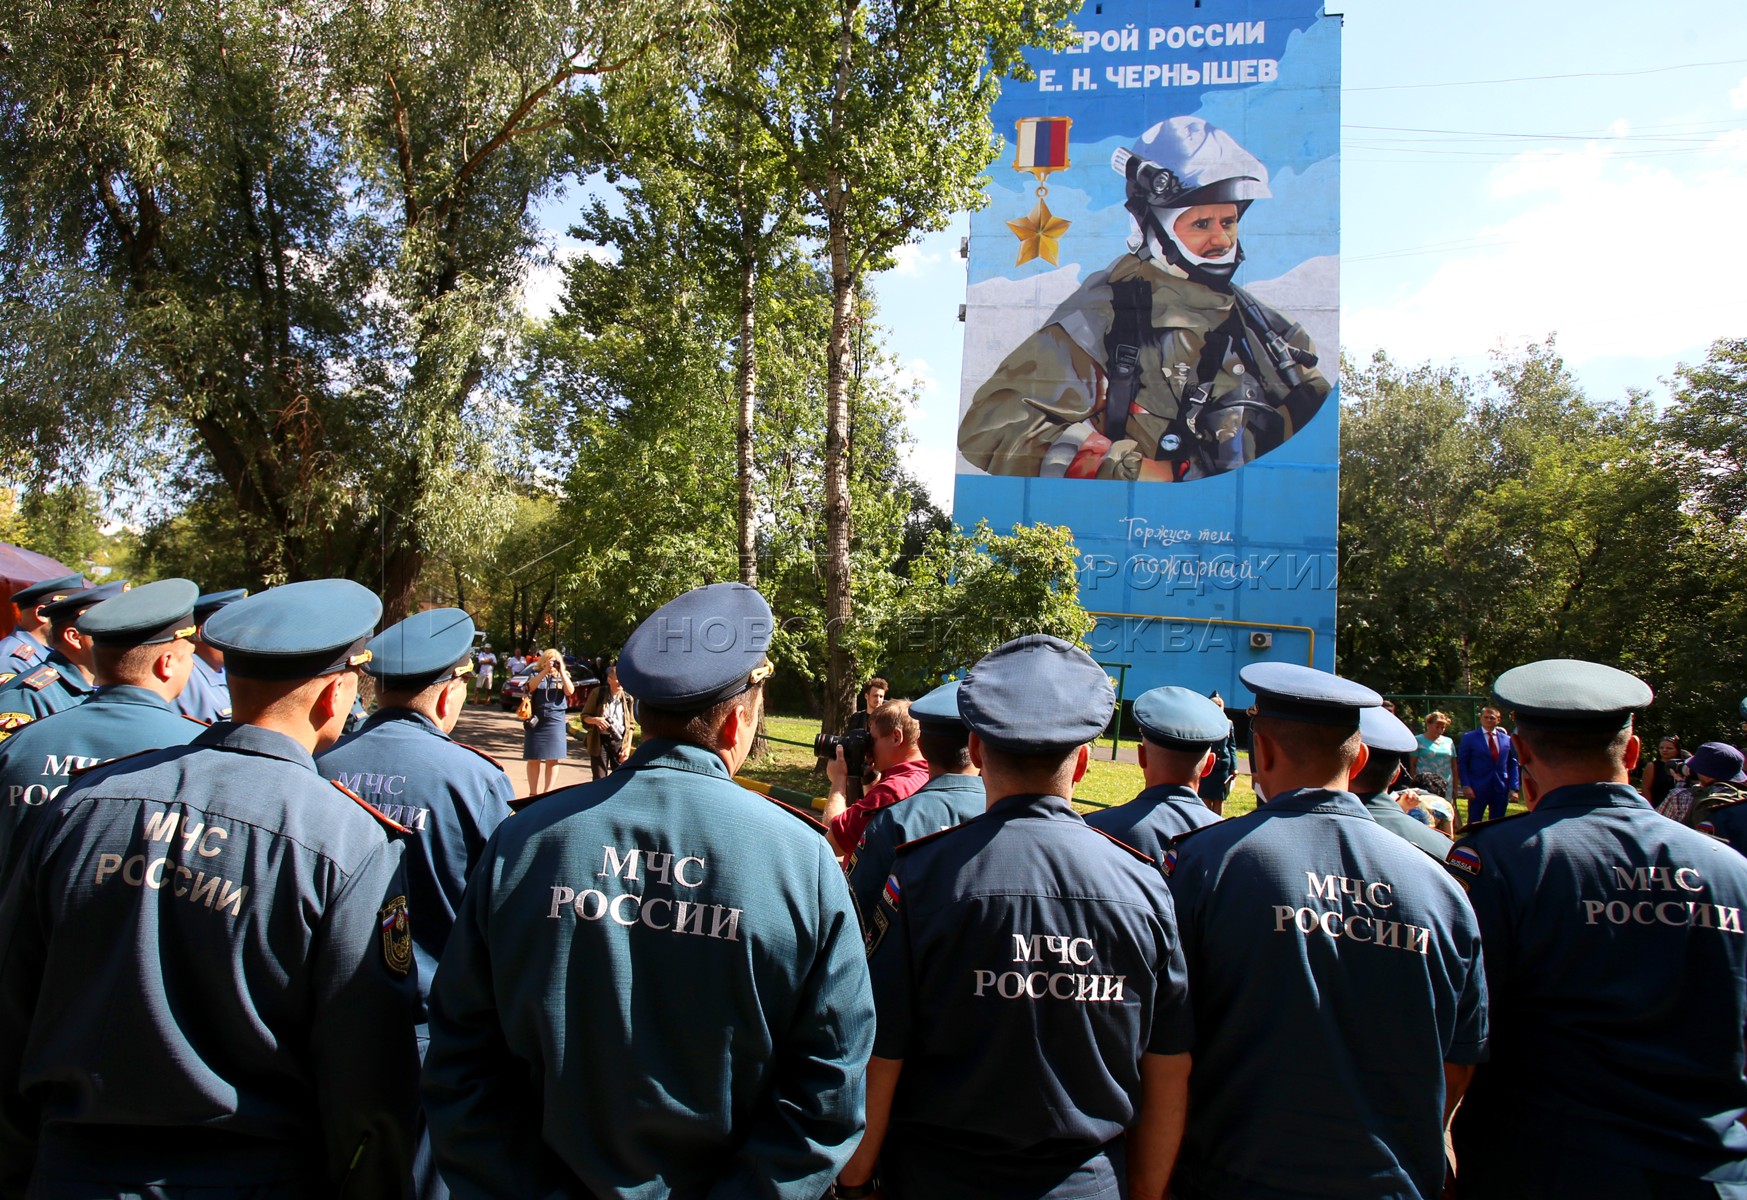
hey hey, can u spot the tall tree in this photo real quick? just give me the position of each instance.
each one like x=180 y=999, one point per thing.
x=1486 y=523
x=880 y=109
x=288 y=239
x=1708 y=427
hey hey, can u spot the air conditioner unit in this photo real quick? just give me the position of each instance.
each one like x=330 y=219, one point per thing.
x=1261 y=641
x=961 y=312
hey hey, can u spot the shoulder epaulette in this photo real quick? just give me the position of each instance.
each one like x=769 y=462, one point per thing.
x=1440 y=859
x=1189 y=833
x=913 y=843
x=795 y=812
x=108 y=762
x=521 y=802
x=488 y=758
x=7 y=677
x=370 y=808
x=1471 y=826
x=40 y=678
x=1116 y=841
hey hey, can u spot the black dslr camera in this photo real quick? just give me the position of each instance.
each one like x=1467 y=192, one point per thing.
x=856 y=745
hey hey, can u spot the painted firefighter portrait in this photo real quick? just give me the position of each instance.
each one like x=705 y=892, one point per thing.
x=1159 y=367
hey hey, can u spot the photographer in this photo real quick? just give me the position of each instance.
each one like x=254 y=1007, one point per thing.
x=895 y=755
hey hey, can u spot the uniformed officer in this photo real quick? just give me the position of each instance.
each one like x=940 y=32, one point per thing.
x=27 y=646
x=1618 y=964
x=208 y=697
x=1343 y=966
x=142 y=653
x=952 y=795
x=206 y=968
x=1180 y=733
x=1388 y=742
x=656 y=986
x=1034 y=1013
x=65 y=677
x=450 y=796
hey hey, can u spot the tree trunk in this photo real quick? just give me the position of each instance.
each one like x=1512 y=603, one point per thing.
x=748 y=398
x=839 y=601
x=401 y=565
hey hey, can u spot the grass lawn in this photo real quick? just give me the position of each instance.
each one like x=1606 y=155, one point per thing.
x=1107 y=783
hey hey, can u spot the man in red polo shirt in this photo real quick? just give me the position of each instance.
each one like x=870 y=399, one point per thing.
x=895 y=756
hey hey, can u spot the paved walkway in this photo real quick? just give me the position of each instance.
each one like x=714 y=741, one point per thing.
x=499 y=734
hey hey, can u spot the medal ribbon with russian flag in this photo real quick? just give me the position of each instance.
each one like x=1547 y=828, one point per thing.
x=1042 y=147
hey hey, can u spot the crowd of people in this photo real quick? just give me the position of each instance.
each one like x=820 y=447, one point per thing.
x=227 y=949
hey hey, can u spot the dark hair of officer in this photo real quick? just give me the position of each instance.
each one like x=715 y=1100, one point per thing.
x=1294 y=754
x=1174 y=765
x=945 y=751
x=440 y=702
x=422 y=696
x=132 y=664
x=705 y=727
x=290 y=706
x=1378 y=773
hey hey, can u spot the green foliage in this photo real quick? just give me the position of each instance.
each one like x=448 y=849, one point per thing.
x=1487 y=523
x=969 y=592
x=281 y=247
x=1708 y=426
x=66 y=523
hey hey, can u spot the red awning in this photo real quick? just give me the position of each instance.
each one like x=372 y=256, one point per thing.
x=19 y=568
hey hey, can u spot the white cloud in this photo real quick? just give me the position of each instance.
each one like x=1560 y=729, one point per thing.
x=933 y=466
x=1615 y=253
x=544 y=287
x=912 y=257
x=1738 y=95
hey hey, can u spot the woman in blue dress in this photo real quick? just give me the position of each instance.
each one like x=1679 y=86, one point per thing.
x=549 y=691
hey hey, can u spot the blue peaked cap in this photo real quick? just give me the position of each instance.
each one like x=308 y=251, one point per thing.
x=1180 y=719
x=422 y=649
x=1383 y=731
x=47 y=589
x=74 y=603
x=147 y=615
x=1036 y=695
x=698 y=649
x=939 y=709
x=296 y=631
x=1569 y=693
x=1293 y=692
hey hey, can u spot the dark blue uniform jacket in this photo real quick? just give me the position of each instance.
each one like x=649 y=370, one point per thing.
x=1337 y=969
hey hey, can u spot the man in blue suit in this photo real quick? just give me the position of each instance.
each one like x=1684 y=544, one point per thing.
x=1486 y=768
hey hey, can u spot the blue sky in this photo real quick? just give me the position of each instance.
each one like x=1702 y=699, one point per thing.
x=1605 y=209
x=1508 y=171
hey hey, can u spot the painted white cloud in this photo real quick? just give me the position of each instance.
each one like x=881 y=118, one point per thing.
x=1616 y=254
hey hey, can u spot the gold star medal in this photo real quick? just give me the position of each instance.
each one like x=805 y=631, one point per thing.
x=1042 y=148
